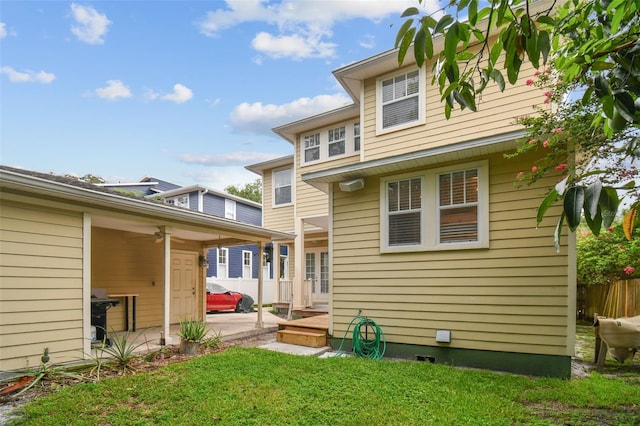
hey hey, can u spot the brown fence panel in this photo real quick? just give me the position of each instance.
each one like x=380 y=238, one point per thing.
x=620 y=299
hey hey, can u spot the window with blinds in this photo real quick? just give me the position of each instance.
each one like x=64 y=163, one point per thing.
x=282 y=187
x=404 y=208
x=458 y=206
x=336 y=141
x=400 y=99
x=312 y=147
x=356 y=137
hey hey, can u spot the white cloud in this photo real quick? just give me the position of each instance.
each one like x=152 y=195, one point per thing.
x=367 y=41
x=238 y=158
x=294 y=46
x=3 y=30
x=302 y=27
x=180 y=94
x=27 y=76
x=91 y=26
x=261 y=118
x=115 y=89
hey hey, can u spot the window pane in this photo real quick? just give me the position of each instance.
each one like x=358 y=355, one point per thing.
x=459 y=224
x=457 y=182
x=445 y=189
x=412 y=83
x=403 y=111
x=404 y=229
x=312 y=154
x=387 y=90
x=404 y=195
x=471 y=186
x=356 y=137
x=416 y=194
x=336 y=148
x=283 y=195
x=400 y=87
x=392 y=196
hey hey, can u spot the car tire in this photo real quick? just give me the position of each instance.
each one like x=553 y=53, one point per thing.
x=239 y=306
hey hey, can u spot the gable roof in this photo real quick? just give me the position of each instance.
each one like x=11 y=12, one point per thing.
x=114 y=210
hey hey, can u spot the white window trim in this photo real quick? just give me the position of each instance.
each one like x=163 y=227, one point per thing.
x=179 y=201
x=225 y=266
x=324 y=142
x=250 y=265
x=429 y=220
x=273 y=187
x=422 y=88
x=229 y=209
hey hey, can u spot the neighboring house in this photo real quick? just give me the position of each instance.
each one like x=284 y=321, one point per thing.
x=61 y=238
x=224 y=262
x=415 y=220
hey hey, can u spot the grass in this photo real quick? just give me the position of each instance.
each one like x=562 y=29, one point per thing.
x=253 y=386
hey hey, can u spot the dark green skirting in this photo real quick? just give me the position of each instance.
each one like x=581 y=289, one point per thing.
x=513 y=362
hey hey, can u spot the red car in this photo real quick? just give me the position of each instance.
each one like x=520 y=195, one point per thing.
x=221 y=299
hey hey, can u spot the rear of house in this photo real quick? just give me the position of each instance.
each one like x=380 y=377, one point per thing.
x=427 y=233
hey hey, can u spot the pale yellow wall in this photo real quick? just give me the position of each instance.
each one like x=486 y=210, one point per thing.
x=125 y=262
x=510 y=297
x=40 y=285
x=496 y=114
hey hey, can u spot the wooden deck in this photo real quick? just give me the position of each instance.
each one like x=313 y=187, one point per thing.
x=310 y=331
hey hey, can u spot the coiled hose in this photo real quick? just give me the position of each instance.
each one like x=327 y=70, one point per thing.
x=363 y=345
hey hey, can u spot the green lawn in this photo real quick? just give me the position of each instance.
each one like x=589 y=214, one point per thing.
x=253 y=386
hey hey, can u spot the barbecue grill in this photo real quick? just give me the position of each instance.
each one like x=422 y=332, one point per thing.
x=100 y=303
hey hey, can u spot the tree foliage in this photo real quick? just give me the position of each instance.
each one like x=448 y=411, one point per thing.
x=589 y=44
x=251 y=191
x=608 y=257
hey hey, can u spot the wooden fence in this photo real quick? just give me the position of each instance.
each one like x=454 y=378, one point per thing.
x=620 y=299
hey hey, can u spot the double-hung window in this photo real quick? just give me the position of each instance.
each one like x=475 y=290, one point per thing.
x=336 y=141
x=282 y=187
x=438 y=209
x=180 y=201
x=247 y=264
x=312 y=147
x=223 y=263
x=229 y=209
x=400 y=100
x=356 y=137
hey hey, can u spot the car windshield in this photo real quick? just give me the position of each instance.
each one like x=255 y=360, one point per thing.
x=216 y=288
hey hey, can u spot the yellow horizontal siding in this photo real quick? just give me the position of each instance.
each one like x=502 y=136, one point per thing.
x=510 y=297
x=40 y=284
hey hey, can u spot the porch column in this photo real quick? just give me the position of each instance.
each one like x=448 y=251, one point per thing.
x=275 y=260
x=259 y=323
x=167 y=285
x=298 y=298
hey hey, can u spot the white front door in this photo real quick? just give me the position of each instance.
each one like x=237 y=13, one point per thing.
x=317 y=270
x=184 y=279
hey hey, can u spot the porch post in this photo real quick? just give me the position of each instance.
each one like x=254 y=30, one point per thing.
x=298 y=299
x=275 y=260
x=259 y=323
x=167 y=285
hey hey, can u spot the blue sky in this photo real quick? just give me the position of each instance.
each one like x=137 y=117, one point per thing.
x=184 y=91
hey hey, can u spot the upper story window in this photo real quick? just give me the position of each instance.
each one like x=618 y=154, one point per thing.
x=338 y=140
x=181 y=201
x=282 y=187
x=400 y=100
x=229 y=209
x=442 y=209
x=312 y=147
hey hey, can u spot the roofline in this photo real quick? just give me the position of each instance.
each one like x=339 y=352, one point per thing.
x=429 y=156
x=109 y=185
x=259 y=168
x=191 y=188
x=84 y=196
x=290 y=130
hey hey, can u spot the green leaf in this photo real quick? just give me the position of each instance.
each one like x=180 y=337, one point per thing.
x=592 y=199
x=428 y=43
x=496 y=76
x=602 y=85
x=494 y=55
x=451 y=43
x=547 y=20
x=595 y=224
x=419 y=47
x=533 y=48
x=410 y=11
x=544 y=45
x=462 y=4
x=548 y=201
x=473 y=12
x=468 y=99
x=609 y=203
x=624 y=104
x=514 y=69
x=465 y=55
x=618 y=17
x=404 y=46
x=453 y=86
x=573 y=202
x=402 y=32
x=447 y=110
x=443 y=23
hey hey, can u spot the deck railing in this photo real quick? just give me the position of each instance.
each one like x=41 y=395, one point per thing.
x=285 y=291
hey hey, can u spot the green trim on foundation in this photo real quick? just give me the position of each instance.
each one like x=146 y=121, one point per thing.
x=513 y=362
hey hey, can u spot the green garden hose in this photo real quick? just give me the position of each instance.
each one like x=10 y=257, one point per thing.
x=367 y=339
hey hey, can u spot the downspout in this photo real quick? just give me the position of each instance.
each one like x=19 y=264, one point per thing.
x=167 y=285
x=86 y=283
x=201 y=195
